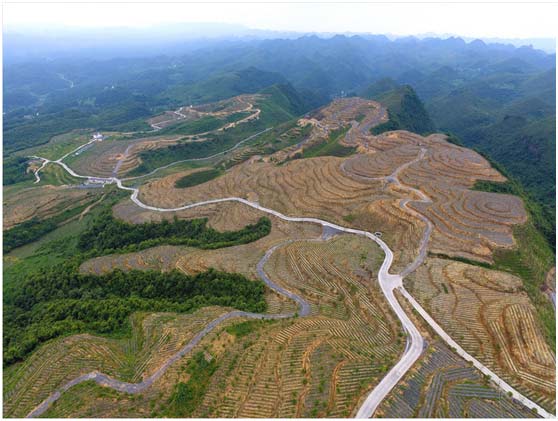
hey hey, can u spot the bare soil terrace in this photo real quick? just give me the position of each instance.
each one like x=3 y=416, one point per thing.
x=492 y=317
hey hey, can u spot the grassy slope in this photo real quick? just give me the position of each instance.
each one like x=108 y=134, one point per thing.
x=198 y=177
x=331 y=147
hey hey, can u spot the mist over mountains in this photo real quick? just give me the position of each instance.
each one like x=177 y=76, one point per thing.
x=23 y=43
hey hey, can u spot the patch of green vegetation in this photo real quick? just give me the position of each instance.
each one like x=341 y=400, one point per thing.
x=460 y=259
x=197 y=177
x=202 y=125
x=236 y=116
x=405 y=109
x=505 y=187
x=35 y=228
x=349 y=218
x=186 y=397
x=15 y=170
x=451 y=138
x=391 y=124
x=360 y=117
x=283 y=136
x=55 y=175
x=27 y=232
x=109 y=235
x=223 y=85
x=331 y=147
x=245 y=328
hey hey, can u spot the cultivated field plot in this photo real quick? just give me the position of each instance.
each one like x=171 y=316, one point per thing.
x=59 y=145
x=443 y=385
x=491 y=317
x=43 y=202
x=161 y=258
x=155 y=337
x=467 y=223
x=116 y=157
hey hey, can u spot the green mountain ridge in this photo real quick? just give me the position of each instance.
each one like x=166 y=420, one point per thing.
x=406 y=110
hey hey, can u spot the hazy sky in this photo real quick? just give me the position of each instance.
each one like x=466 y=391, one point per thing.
x=511 y=20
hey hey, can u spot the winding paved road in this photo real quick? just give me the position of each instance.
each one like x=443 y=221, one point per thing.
x=133 y=388
x=388 y=283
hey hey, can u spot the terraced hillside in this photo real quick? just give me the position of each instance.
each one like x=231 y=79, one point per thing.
x=155 y=338
x=491 y=316
x=355 y=190
x=43 y=202
x=117 y=156
x=415 y=192
x=380 y=188
x=283 y=370
x=445 y=386
x=354 y=115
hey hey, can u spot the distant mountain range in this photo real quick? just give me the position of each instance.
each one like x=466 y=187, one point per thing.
x=31 y=42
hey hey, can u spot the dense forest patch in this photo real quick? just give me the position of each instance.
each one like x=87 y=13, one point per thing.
x=109 y=235
x=61 y=301
x=15 y=170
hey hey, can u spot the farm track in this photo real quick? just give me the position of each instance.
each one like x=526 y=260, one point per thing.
x=388 y=283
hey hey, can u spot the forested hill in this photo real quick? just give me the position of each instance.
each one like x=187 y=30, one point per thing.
x=406 y=110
